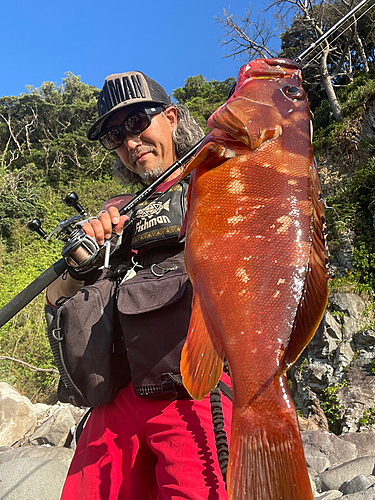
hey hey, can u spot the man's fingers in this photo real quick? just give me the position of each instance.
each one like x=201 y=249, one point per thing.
x=88 y=229
x=98 y=229
x=105 y=220
x=117 y=228
x=101 y=228
x=117 y=220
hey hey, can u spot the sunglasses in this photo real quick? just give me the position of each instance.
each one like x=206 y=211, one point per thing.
x=134 y=124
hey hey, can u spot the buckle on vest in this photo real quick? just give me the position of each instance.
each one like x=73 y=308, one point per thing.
x=168 y=388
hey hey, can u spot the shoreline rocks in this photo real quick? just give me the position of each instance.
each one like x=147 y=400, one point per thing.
x=36 y=446
x=35 y=464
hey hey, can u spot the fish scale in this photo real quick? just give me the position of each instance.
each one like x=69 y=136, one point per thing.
x=256 y=256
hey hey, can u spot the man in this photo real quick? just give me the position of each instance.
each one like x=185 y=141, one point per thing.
x=152 y=441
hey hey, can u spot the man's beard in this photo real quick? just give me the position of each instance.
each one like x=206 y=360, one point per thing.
x=151 y=175
x=148 y=175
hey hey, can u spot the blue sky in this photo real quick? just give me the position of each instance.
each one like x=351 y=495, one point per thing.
x=169 y=40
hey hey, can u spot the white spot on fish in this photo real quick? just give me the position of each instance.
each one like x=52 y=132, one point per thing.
x=236 y=187
x=235 y=219
x=285 y=222
x=242 y=274
x=235 y=171
x=276 y=294
x=281 y=281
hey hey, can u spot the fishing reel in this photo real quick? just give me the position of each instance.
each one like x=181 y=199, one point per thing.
x=80 y=249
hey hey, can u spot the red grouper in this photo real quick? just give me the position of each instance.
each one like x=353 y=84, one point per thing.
x=256 y=256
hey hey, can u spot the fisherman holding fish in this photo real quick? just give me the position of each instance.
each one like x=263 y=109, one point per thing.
x=152 y=441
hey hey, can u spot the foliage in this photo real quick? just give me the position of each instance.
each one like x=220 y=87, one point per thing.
x=368 y=417
x=331 y=406
x=47 y=127
x=203 y=97
x=23 y=260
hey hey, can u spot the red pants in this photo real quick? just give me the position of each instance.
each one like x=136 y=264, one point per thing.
x=141 y=449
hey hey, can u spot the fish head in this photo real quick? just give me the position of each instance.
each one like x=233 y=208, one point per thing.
x=267 y=98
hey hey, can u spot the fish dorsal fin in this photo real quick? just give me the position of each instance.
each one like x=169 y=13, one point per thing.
x=315 y=294
x=201 y=366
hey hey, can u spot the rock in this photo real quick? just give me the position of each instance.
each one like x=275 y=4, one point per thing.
x=357 y=397
x=59 y=454
x=17 y=416
x=349 y=304
x=368 y=494
x=32 y=479
x=335 y=477
x=56 y=430
x=329 y=495
x=318 y=464
x=324 y=449
x=307 y=424
x=359 y=483
x=364 y=442
x=40 y=410
x=332 y=328
x=365 y=339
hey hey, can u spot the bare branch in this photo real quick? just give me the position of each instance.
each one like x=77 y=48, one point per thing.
x=8 y=358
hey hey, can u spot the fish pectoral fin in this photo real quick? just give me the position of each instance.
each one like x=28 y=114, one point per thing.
x=201 y=366
x=249 y=121
x=211 y=155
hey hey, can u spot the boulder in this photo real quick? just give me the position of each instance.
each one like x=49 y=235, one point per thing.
x=328 y=495
x=59 y=454
x=323 y=450
x=364 y=442
x=368 y=494
x=32 y=479
x=17 y=416
x=335 y=477
x=357 y=484
x=56 y=430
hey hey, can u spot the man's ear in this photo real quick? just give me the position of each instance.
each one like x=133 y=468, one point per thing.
x=171 y=114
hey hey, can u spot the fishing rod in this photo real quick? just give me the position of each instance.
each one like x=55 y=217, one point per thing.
x=325 y=35
x=74 y=238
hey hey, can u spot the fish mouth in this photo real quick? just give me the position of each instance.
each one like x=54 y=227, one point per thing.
x=271 y=68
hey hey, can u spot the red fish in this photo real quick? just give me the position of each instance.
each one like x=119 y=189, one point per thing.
x=256 y=256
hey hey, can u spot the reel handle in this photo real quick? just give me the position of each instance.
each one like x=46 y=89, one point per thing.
x=34 y=226
x=71 y=200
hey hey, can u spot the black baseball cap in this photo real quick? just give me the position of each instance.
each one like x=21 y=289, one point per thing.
x=126 y=89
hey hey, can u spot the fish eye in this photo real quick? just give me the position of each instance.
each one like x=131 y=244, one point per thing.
x=293 y=92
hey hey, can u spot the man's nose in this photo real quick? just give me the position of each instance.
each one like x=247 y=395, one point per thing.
x=132 y=141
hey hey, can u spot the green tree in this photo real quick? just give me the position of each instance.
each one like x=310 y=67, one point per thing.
x=203 y=97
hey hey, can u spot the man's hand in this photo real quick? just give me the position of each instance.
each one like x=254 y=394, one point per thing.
x=101 y=228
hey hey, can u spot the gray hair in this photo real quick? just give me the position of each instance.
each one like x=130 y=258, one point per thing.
x=185 y=135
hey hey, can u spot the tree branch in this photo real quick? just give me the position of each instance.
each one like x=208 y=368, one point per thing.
x=8 y=358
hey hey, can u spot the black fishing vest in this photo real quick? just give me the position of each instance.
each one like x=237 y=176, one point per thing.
x=155 y=305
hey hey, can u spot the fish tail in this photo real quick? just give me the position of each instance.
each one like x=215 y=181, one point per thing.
x=266 y=460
